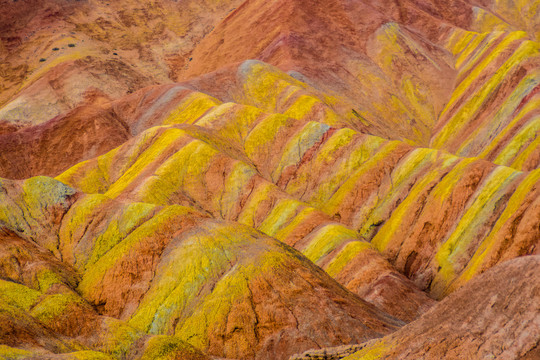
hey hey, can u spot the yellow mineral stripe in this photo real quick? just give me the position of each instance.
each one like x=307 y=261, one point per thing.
x=487 y=245
x=466 y=229
x=514 y=153
x=470 y=108
x=532 y=105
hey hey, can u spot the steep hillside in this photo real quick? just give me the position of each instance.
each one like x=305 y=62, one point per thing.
x=255 y=179
x=440 y=334
x=493 y=334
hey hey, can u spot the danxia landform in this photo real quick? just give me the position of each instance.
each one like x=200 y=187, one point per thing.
x=254 y=179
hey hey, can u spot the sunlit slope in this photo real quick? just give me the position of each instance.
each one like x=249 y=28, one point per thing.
x=42 y=313
x=390 y=62
x=395 y=80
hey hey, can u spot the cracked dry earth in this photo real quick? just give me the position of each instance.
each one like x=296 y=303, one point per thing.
x=248 y=179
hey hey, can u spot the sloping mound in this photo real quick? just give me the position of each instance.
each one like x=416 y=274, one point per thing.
x=493 y=316
x=132 y=269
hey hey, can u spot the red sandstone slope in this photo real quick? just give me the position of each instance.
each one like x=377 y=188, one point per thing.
x=54 y=52
x=82 y=133
x=494 y=316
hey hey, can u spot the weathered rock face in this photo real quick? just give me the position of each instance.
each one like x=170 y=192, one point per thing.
x=493 y=316
x=254 y=179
